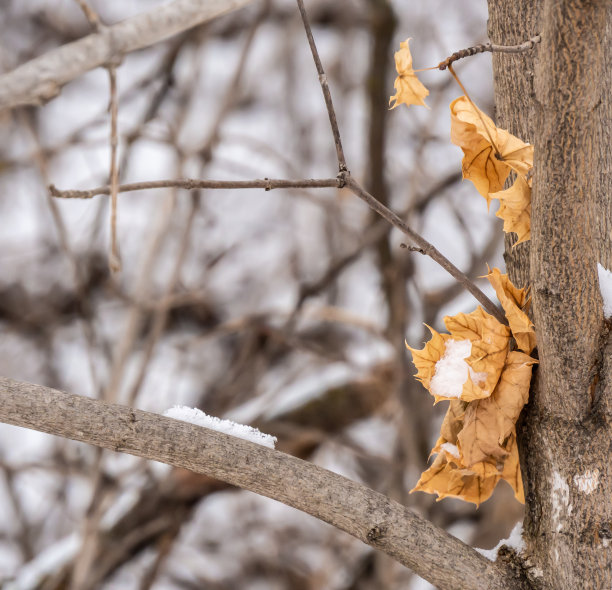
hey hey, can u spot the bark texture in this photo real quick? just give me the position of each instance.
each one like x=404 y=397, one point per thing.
x=367 y=515
x=558 y=98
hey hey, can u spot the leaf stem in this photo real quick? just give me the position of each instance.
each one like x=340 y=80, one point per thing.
x=477 y=111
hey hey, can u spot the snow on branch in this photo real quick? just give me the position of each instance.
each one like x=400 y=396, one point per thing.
x=41 y=79
x=352 y=507
x=243 y=431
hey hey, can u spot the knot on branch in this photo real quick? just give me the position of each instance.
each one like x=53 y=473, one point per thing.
x=480 y=48
x=342 y=177
x=376 y=533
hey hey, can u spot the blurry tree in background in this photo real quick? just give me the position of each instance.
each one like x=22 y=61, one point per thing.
x=287 y=309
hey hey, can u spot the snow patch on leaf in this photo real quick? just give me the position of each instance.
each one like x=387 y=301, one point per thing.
x=451 y=449
x=451 y=370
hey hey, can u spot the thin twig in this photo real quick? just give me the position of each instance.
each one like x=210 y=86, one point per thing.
x=324 y=87
x=267 y=184
x=483 y=47
x=412 y=248
x=114 y=261
x=426 y=247
x=90 y=14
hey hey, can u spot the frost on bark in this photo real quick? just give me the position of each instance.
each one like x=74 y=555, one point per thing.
x=558 y=98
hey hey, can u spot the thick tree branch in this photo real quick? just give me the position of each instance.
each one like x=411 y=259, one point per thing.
x=41 y=79
x=367 y=515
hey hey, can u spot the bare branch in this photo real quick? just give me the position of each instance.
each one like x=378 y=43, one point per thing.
x=191 y=183
x=425 y=247
x=114 y=257
x=367 y=515
x=491 y=47
x=41 y=79
x=324 y=87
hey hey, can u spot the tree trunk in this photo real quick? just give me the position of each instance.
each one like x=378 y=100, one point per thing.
x=557 y=97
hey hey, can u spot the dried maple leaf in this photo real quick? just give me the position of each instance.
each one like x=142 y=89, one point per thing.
x=408 y=88
x=490 y=345
x=512 y=469
x=425 y=360
x=452 y=423
x=515 y=208
x=489 y=153
x=488 y=423
x=449 y=479
x=513 y=301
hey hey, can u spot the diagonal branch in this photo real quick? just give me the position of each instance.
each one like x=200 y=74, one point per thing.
x=41 y=79
x=367 y=515
x=425 y=247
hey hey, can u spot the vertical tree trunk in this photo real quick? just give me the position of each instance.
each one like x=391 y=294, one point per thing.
x=558 y=97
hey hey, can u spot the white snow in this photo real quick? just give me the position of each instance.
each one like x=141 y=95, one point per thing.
x=515 y=541
x=477 y=378
x=605 y=288
x=451 y=449
x=452 y=370
x=588 y=481
x=195 y=416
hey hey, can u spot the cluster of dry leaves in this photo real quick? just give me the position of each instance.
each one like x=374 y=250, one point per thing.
x=481 y=366
x=489 y=153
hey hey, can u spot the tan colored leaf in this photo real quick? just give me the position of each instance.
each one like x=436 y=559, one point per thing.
x=489 y=422
x=515 y=208
x=449 y=431
x=448 y=479
x=408 y=88
x=489 y=153
x=512 y=469
x=425 y=359
x=490 y=345
x=513 y=301
x=453 y=421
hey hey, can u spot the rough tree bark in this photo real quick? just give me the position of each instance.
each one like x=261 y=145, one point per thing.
x=558 y=98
